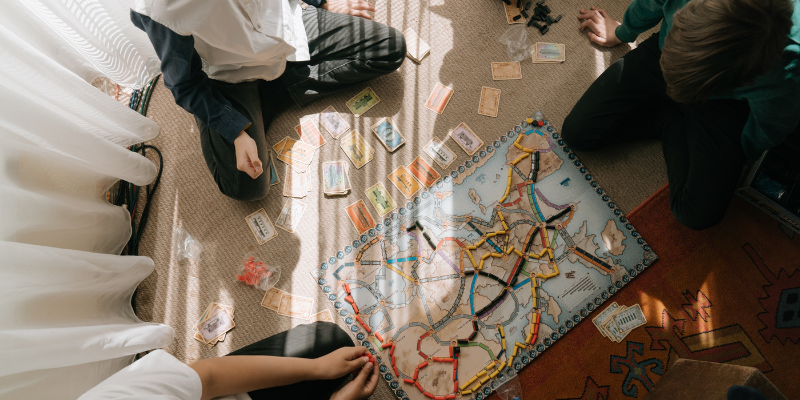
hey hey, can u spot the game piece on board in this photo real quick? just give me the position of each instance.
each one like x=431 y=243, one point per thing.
x=439 y=98
x=380 y=199
x=261 y=226
x=360 y=216
x=506 y=70
x=416 y=48
x=490 y=101
x=404 y=181
x=440 y=153
x=466 y=138
x=333 y=123
x=290 y=215
x=357 y=149
x=388 y=134
x=423 y=171
x=362 y=102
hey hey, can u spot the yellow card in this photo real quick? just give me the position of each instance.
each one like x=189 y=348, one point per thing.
x=357 y=149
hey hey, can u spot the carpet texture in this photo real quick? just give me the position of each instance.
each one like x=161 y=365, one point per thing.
x=463 y=39
x=728 y=295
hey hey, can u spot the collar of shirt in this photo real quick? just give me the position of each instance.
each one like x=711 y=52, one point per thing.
x=241 y=40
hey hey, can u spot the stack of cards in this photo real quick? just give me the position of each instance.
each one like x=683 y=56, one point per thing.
x=616 y=322
x=288 y=304
x=387 y=132
x=335 y=179
x=215 y=323
x=543 y=53
x=416 y=48
x=296 y=184
x=297 y=154
x=290 y=215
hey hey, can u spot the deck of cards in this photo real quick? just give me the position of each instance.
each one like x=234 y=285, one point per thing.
x=214 y=325
x=616 y=322
x=335 y=179
x=543 y=53
x=416 y=48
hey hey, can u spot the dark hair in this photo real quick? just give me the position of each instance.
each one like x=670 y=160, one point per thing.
x=715 y=46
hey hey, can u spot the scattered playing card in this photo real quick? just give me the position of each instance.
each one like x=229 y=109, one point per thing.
x=322 y=316
x=362 y=102
x=629 y=319
x=490 y=101
x=548 y=53
x=439 y=98
x=296 y=154
x=423 y=171
x=296 y=306
x=333 y=122
x=603 y=316
x=387 y=132
x=214 y=324
x=261 y=226
x=357 y=149
x=416 y=48
x=440 y=153
x=401 y=178
x=506 y=70
x=290 y=215
x=272 y=298
x=360 y=216
x=466 y=138
x=309 y=132
x=380 y=199
x=273 y=174
x=511 y=12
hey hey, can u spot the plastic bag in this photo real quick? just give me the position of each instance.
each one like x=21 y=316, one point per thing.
x=186 y=247
x=516 y=41
x=254 y=272
x=511 y=390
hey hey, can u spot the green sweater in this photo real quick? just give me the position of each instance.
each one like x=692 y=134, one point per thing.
x=774 y=97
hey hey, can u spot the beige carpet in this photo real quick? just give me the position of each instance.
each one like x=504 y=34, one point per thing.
x=463 y=38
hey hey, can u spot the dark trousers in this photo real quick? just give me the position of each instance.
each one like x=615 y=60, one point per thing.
x=305 y=341
x=702 y=142
x=344 y=50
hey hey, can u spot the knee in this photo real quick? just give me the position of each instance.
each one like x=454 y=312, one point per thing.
x=246 y=189
x=574 y=132
x=336 y=337
x=696 y=216
x=395 y=49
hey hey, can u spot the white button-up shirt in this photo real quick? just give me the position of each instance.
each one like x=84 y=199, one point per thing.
x=241 y=40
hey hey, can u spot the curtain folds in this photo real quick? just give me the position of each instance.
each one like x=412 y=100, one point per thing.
x=66 y=321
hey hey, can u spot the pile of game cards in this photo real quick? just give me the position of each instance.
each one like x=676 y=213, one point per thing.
x=214 y=325
x=544 y=53
x=416 y=48
x=335 y=178
x=616 y=322
x=293 y=306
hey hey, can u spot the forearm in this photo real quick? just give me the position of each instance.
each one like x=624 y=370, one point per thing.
x=223 y=376
x=640 y=16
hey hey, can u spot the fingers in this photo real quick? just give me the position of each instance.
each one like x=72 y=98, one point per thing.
x=254 y=169
x=596 y=39
x=372 y=383
x=355 y=352
x=361 y=13
x=366 y=370
x=362 y=5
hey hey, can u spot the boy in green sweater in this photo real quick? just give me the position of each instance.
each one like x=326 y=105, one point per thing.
x=719 y=84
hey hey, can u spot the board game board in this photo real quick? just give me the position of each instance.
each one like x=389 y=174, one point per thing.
x=526 y=246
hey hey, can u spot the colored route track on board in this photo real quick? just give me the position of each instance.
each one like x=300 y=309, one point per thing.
x=526 y=245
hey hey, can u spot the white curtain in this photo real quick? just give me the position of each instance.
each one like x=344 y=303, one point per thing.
x=66 y=321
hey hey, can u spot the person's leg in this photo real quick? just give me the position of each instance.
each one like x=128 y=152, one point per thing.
x=305 y=341
x=220 y=155
x=704 y=156
x=623 y=104
x=344 y=50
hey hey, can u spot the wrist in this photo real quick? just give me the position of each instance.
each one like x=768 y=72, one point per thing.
x=316 y=369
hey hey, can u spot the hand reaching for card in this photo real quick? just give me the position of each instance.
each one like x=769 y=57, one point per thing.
x=358 y=8
x=602 y=29
x=247 y=155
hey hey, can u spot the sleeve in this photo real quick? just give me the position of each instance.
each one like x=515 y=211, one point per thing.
x=184 y=77
x=315 y=3
x=158 y=376
x=640 y=16
x=770 y=122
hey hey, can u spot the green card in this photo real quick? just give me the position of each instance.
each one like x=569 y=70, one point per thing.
x=362 y=102
x=380 y=198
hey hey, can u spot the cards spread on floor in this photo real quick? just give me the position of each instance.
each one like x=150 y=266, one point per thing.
x=439 y=98
x=335 y=179
x=616 y=322
x=423 y=171
x=261 y=225
x=214 y=324
x=630 y=318
x=466 y=138
x=362 y=102
x=290 y=215
x=548 y=53
x=360 y=216
x=357 y=149
x=440 y=153
x=333 y=122
x=490 y=101
x=380 y=199
x=295 y=153
x=309 y=132
x=416 y=48
x=387 y=132
x=506 y=70
x=287 y=304
x=272 y=298
x=404 y=181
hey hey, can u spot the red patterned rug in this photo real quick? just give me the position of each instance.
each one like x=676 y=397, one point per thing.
x=730 y=294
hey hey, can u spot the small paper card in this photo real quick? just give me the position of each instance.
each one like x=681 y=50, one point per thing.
x=439 y=98
x=322 y=316
x=360 y=216
x=272 y=298
x=490 y=101
x=309 y=132
x=333 y=122
x=506 y=70
x=290 y=215
x=357 y=149
x=334 y=177
x=440 y=153
x=362 y=102
x=401 y=178
x=387 y=132
x=261 y=226
x=630 y=318
x=423 y=171
x=296 y=306
x=380 y=199
x=416 y=48
x=466 y=138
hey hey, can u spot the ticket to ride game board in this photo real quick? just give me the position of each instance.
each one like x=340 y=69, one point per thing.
x=462 y=286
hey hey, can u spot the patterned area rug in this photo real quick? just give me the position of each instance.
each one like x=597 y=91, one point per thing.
x=730 y=294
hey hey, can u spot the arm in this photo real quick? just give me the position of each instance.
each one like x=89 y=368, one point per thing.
x=770 y=122
x=238 y=374
x=640 y=16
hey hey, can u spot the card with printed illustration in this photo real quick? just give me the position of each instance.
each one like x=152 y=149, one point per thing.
x=215 y=325
x=261 y=226
x=513 y=11
x=439 y=98
x=296 y=306
x=423 y=171
x=272 y=298
x=362 y=102
x=334 y=177
x=404 y=181
x=295 y=150
x=290 y=215
x=466 y=138
x=357 y=149
x=548 y=53
x=490 y=102
x=440 y=153
x=360 y=216
x=309 y=132
x=630 y=318
x=380 y=199
x=387 y=132
x=603 y=316
x=416 y=48
x=333 y=123
x=506 y=70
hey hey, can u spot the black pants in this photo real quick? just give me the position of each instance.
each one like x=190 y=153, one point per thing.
x=305 y=341
x=702 y=142
x=344 y=50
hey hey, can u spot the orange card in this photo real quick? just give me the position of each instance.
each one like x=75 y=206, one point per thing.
x=360 y=216
x=423 y=172
x=403 y=180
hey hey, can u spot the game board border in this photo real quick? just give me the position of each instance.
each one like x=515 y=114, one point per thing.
x=394 y=384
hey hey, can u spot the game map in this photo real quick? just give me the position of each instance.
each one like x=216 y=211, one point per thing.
x=468 y=282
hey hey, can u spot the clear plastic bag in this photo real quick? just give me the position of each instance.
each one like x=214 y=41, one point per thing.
x=254 y=272
x=511 y=390
x=516 y=40
x=186 y=247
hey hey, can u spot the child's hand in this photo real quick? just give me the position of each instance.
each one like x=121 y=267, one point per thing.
x=341 y=362
x=361 y=387
x=602 y=29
